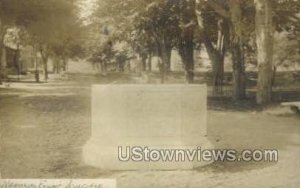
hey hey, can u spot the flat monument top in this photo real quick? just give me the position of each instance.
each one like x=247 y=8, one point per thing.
x=145 y=86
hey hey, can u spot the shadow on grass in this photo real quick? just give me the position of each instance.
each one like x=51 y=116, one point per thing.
x=234 y=167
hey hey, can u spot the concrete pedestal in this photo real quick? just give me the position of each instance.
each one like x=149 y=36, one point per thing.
x=153 y=116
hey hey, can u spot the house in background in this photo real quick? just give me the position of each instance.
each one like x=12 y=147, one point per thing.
x=18 y=59
x=11 y=60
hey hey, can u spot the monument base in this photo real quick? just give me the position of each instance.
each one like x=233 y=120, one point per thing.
x=162 y=118
x=106 y=157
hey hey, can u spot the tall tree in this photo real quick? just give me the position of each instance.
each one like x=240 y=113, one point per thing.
x=264 y=40
x=160 y=22
x=237 y=48
x=151 y=27
x=55 y=22
x=186 y=38
x=47 y=22
x=229 y=16
x=213 y=22
x=11 y=13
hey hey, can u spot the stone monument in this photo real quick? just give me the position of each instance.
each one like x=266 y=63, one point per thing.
x=155 y=116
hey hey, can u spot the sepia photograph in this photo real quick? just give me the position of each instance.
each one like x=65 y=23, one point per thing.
x=149 y=93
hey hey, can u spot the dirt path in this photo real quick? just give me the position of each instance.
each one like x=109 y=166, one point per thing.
x=44 y=126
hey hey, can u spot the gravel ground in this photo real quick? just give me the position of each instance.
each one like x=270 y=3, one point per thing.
x=44 y=126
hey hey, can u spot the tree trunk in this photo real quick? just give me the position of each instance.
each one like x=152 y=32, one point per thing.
x=163 y=64
x=36 y=64
x=168 y=60
x=45 y=63
x=2 y=51
x=217 y=72
x=144 y=62
x=44 y=50
x=149 y=64
x=189 y=64
x=217 y=60
x=103 y=67
x=264 y=41
x=1 y=62
x=18 y=62
x=274 y=75
x=238 y=74
x=65 y=64
x=56 y=65
x=238 y=63
x=186 y=51
x=217 y=54
x=164 y=51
